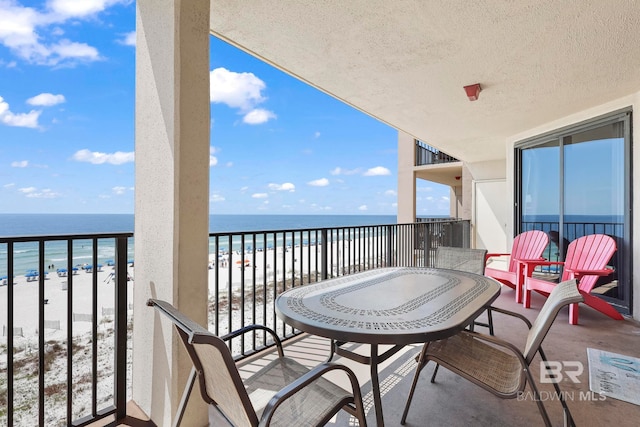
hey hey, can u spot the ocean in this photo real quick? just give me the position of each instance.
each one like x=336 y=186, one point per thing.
x=25 y=254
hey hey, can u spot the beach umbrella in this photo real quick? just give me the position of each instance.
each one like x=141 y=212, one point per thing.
x=110 y=262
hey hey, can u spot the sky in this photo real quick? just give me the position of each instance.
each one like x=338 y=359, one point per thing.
x=278 y=146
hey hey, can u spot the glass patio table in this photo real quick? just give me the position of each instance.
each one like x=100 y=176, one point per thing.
x=393 y=305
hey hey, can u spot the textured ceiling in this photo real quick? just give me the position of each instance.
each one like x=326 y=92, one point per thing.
x=405 y=62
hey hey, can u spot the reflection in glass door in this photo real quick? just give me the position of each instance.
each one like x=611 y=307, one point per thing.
x=574 y=183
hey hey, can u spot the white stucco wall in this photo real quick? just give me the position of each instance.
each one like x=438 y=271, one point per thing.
x=172 y=198
x=406 y=179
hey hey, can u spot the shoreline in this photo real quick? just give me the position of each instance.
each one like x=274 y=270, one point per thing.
x=268 y=266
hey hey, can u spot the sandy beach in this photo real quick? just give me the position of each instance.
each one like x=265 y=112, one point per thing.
x=25 y=295
x=230 y=268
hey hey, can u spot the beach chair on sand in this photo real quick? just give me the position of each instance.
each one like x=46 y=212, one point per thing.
x=300 y=396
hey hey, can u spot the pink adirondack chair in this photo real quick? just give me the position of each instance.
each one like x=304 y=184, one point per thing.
x=586 y=260
x=526 y=246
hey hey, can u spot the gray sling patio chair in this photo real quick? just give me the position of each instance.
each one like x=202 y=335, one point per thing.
x=465 y=259
x=496 y=365
x=301 y=397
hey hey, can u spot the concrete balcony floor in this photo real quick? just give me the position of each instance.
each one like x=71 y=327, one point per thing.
x=453 y=401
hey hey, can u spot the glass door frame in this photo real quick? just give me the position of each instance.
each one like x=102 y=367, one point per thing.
x=624 y=305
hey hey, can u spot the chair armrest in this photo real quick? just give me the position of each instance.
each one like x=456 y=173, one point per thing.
x=511 y=313
x=533 y=260
x=577 y=274
x=541 y=261
x=487 y=256
x=286 y=392
x=530 y=265
x=250 y=328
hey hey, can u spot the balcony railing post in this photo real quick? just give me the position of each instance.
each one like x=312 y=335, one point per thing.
x=9 y=333
x=389 y=249
x=324 y=258
x=120 y=363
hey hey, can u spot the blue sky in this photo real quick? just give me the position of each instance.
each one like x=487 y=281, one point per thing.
x=278 y=146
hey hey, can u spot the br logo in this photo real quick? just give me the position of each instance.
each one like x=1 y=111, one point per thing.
x=553 y=371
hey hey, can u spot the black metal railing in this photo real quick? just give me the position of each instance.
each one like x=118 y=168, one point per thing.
x=81 y=360
x=427 y=155
x=58 y=335
x=557 y=247
x=250 y=269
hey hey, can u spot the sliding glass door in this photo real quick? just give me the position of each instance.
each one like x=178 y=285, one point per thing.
x=576 y=182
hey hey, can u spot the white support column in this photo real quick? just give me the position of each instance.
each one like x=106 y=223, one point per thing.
x=172 y=197
x=406 y=178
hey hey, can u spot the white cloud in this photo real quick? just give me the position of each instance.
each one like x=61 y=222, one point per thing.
x=10 y=64
x=316 y=135
x=213 y=160
x=27 y=190
x=322 y=182
x=377 y=171
x=80 y=9
x=10 y=185
x=237 y=90
x=46 y=100
x=259 y=195
x=45 y=193
x=119 y=190
x=390 y=193
x=287 y=186
x=362 y=208
x=258 y=116
x=20 y=164
x=98 y=158
x=241 y=91
x=26 y=120
x=339 y=171
x=68 y=49
x=216 y=198
x=33 y=34
x=128 y=39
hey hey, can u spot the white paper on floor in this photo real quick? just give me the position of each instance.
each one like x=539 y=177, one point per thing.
x=614 y=375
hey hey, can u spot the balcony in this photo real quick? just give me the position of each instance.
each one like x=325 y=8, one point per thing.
x=89 y=381
x=427 y=155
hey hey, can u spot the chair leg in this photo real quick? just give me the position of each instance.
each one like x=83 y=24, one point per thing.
x=538 y=399
x=421 y=364
x=602 y=306
x=490 y=321
x=567 y=418
x=185 y=397
x=435 y=371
